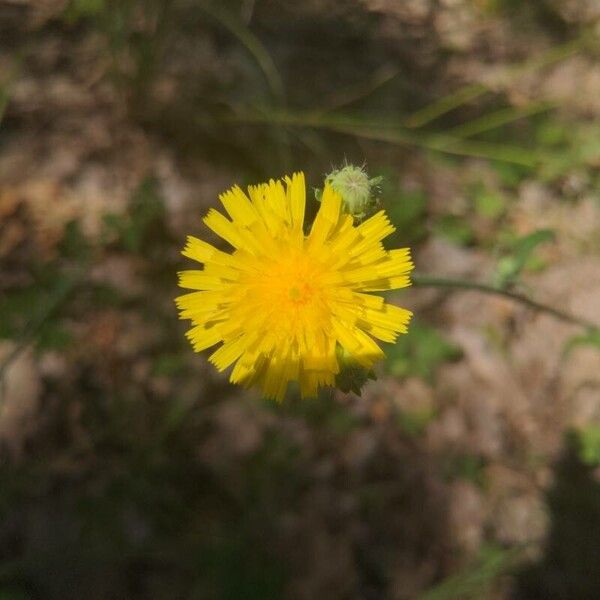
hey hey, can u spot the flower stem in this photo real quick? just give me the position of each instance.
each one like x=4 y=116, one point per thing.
x=461 y=284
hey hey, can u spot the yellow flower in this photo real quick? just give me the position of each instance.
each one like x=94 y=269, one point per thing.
x=282 y=301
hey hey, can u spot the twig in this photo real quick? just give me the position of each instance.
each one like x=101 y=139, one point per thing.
x=442 y=282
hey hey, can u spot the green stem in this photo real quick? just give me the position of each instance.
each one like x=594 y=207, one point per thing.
x=498 y=119
x=442 y=282
x=252 y=44
x=391 y=133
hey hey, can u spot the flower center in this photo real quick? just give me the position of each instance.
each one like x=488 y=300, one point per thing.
x=300 y=292
x=293 y=285
x=291 y=290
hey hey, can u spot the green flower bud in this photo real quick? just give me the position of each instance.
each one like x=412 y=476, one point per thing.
x=356 y=189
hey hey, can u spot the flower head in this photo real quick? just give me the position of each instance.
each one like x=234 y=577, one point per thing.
x=282 y=302
x=356 y=189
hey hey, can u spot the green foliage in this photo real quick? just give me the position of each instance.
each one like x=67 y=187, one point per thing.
x=551 y=133
x=464 y=466
x=588 y=445
x=473 y=582
x=13 y=593
x=138 y=230
x=16 y=309
x=22 y=309
x=168 y=365
x=53 y=336
x=570 y=563
x=590 y=338
x=519 y=256
x=134 y=29
x=8 y=77
x=238 y=569
x=82 y=9
x=511 y=175
x=415 y=422
x=352 y=378
x=455 y=229
x=570 y=147
x=489 y=203
x=74 y=245
x=4 y=98
x=420 y=352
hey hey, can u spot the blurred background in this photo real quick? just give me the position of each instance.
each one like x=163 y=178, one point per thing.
x=131 y=469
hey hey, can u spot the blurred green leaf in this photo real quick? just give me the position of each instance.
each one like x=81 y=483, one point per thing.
x=53 y=336
x=20 y=306
x=519 y=256
x=536 y=263
x=464 y=466
x=473 y=582
x=74 y=245
x=13 y=594
x=146 y=213
x=489 y=203
x=591 y=338
x=588 y=445
x=167 y=365
x=510 y=174
x=420 y=352
x=415 y=422
x=571 y=147
x=240 y=569
x=455 y=229
x=15 y=310
x=498 y=118
x=9 y=76
x=81 y=9
x=551 y=133
x=4 y=98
